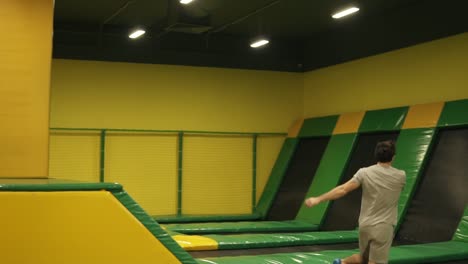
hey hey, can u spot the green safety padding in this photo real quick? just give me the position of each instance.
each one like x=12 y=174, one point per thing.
x=172 y=233
x=454 y=113
x=425 y=253
x=242 y=227
x=328 y=175
x=383 y=120
x=412 y=147
x=276 y=176
x=205 y=218
x=46 y=185
x=320 y=126
x=153 y=227
x=246 y=241
x=462 y=231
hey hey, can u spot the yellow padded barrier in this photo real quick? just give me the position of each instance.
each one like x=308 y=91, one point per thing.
x=217 y=175
x=74 y=228
x=74 y=156
x=423 y=115
x=146 y=164
x=348 y=123
x=193 y=243
x=295 y=128
x=268 y=149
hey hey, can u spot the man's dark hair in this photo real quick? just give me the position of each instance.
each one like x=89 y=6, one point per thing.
x=384 y=151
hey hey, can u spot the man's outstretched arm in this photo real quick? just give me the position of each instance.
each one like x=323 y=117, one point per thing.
x=334 y=194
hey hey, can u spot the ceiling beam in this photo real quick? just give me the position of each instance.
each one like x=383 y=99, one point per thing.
x=107 y=20
x=242 y=18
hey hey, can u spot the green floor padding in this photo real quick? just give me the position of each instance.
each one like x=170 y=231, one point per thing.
x=246 y=241
x=242 y=227
x=425 y=253
x=457 y=249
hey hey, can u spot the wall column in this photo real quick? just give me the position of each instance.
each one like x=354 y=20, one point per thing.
x=25 y=61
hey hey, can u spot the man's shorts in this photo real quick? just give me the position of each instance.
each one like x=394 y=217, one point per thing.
x=375 y=242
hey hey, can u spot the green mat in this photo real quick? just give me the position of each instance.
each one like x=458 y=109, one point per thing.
x=247 y=241
x=425 y=253
x=457 y=249
x=242 y=227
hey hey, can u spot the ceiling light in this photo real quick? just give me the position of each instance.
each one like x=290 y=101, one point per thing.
x=345 y=12
x=186 y=2
x=137 y=33
x=259 y=43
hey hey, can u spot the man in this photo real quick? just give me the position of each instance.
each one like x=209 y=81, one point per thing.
x=381 y=187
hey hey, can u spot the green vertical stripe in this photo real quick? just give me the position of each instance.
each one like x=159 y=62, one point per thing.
x=462 y=231
x=179 y=173
x=412 y=147
x=103 y=156
x=320 y=126
x=328 y=175
x=254 y=173
x=454 y=113
x=276 y=176
x=383 y=120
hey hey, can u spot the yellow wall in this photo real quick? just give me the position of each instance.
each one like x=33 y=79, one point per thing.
x=217 y=175
x=25 y=55
x=430 y=72
x=124 y=95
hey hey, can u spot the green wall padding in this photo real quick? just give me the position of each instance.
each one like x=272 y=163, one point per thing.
x=320 y=126
x=383 y=120
x=276 y=176
x=328 y=175
x=462 y=231
x=454 y=113
x=412 y=150
x=52 y=185
x=153 y=227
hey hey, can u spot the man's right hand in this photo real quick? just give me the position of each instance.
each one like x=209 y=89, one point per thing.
x=312 y=201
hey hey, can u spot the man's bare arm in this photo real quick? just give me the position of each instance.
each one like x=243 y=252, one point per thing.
x=334 y=194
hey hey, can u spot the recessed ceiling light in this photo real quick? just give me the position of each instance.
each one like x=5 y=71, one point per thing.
x=345 y=12
x=186 y=2
x=137 y=33
x=259 y=43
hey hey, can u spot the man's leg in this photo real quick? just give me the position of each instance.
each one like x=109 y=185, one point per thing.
x=364 y=244
x=380 y=247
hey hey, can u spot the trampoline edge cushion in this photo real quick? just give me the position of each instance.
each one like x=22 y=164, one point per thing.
x=236 y=227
